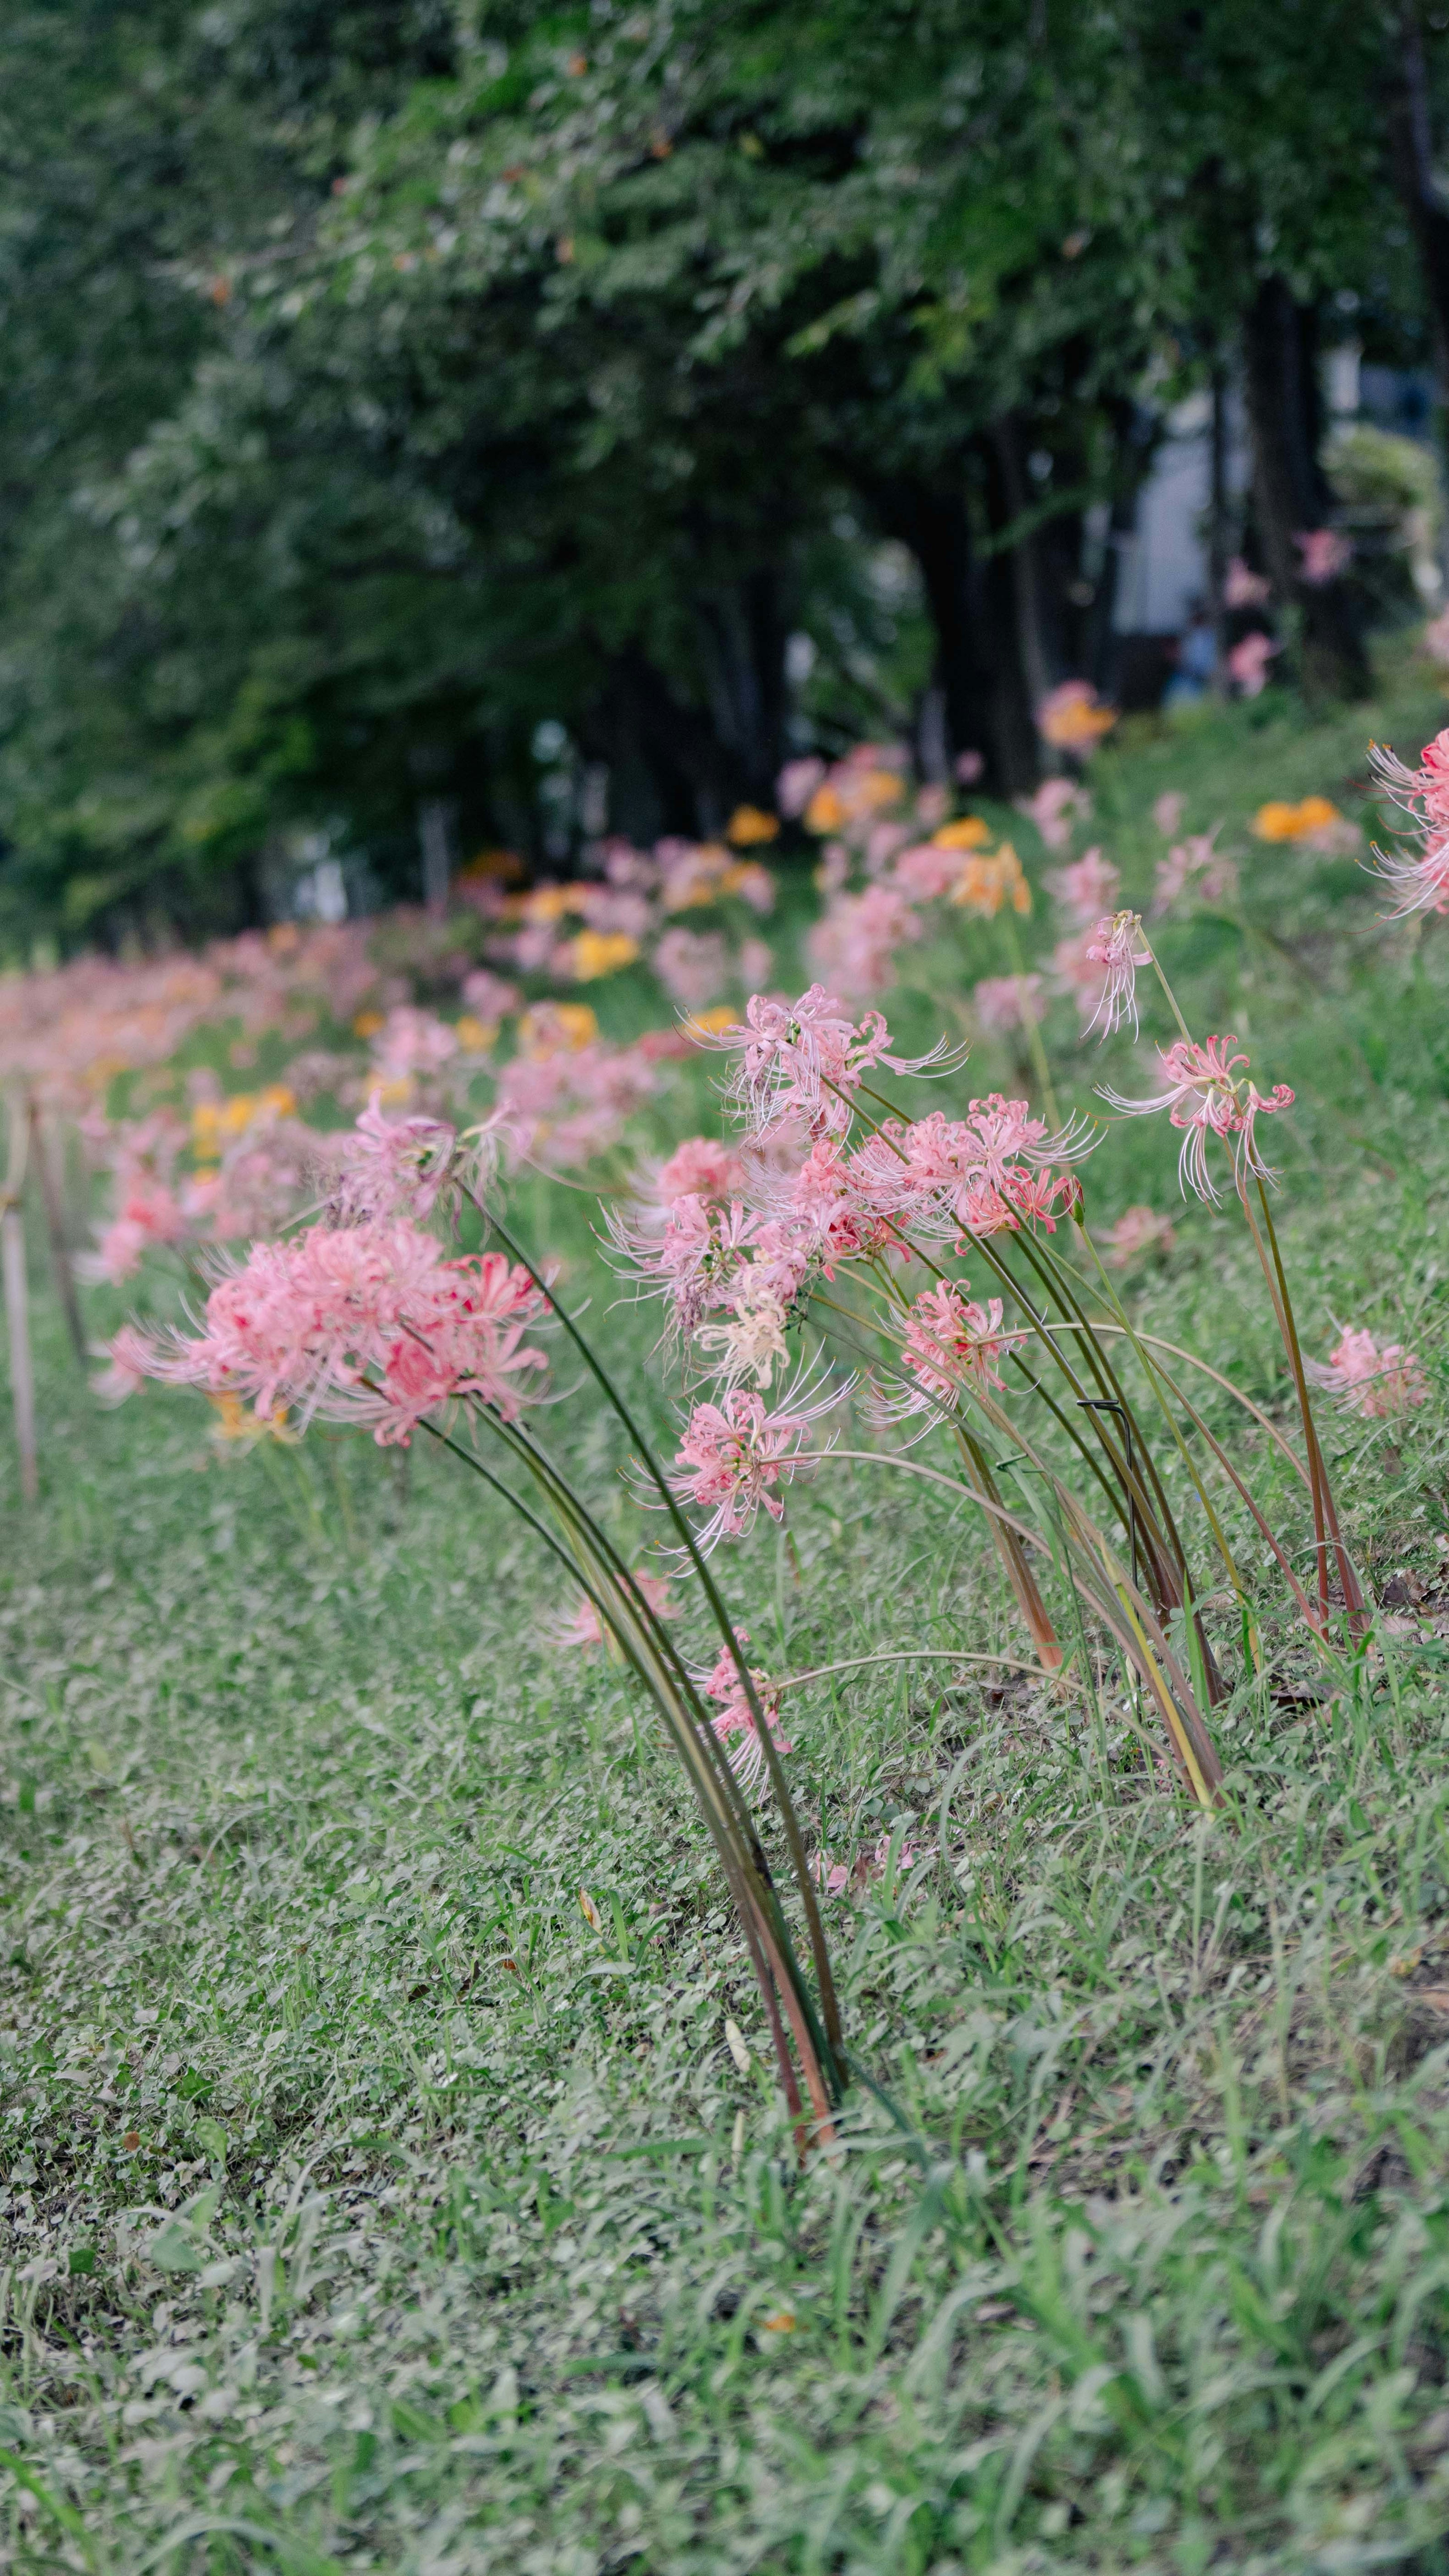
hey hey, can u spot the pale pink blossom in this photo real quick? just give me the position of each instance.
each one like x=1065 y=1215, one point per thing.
x=393 y=1167
x=488 y=997
x=129 y=1357
x=1205 y=1094
x=1195 y=863
x=1372 y=1378
x=1419 y=881
x=702 y=1166
x=751 y=1340
x=581 y=1627
x=1137 y=1230
x=926 y=871
x=1119 y=949
x=1076 y=971
x=693 y=966
x=1245 y=589
x=366 y=1323
x=754 y=964
x=969 y=766
x=149 y=1214
x=951 y=1343
x=1326 y=553
x=1087 y=888
x=1434 y=642
x=806 y=1059
x=1168 y=811
x=735 y=1455
x=1007 y=1001
x=736 y=1722
x=1248 y=663
x=796 y=785
x=1056 y=809
x=933 y=804
x=855 y=940
x=413 y=1042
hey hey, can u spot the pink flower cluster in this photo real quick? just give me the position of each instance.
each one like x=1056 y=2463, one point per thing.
x=366 y=1324
x=736 y=1723
x=1372 y=1378
x=1419 y=881
x=737 y=1256
x=1207 y=1093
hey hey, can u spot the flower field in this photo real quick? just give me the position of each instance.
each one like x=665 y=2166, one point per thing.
x=725 y=1593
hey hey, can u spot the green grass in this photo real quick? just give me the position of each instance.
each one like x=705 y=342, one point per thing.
x=362 y=2207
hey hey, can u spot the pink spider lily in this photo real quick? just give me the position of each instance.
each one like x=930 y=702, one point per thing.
x=1326 y=553
x=737 y=1719
x=1372 y=1378
x=951 y=1343
x=365 y=1323
x=1118 y=948
x=692 y=1260
x=1138 y=1229
x=804 y=1059
x=128 y=1356
x=1087 y=888
x=581 y=1627
x=1206 y=1095
x=734 y=1456
x=1007 y=1002
x=393 y=1167
x=1420 y=883
x=703 y=1167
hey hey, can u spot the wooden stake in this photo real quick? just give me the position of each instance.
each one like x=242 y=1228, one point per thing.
x=50 y=1192
x=17 y=1317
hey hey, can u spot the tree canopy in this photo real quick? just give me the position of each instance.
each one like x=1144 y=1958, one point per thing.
x=390 y=382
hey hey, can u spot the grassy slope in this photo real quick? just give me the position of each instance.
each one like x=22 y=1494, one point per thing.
x=365 y=2208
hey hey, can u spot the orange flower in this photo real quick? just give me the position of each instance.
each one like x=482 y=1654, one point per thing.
x=1276 y=821
x=970 y=833
x=985 y=885
x=825 y=811
x=749 y=825
x=1072 y=717
x=367 y=1024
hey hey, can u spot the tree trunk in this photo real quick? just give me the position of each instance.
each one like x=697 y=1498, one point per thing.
x=973 y=607
x=743 y=632
x=1290 y=489
x=1411 y=154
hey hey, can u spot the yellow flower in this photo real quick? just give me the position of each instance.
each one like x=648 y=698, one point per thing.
x=236 y=1421
x=206 y=1130
x=550 y=1027
x=748 y=825
x=600 y=952
x=969 y=834
x=984 y=885
x=276 y=1101
x=368 y=1023
x=720 y=1015
x=475 y=1037
x=234 y=1116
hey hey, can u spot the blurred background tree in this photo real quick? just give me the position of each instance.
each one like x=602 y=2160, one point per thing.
x=444 y=424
